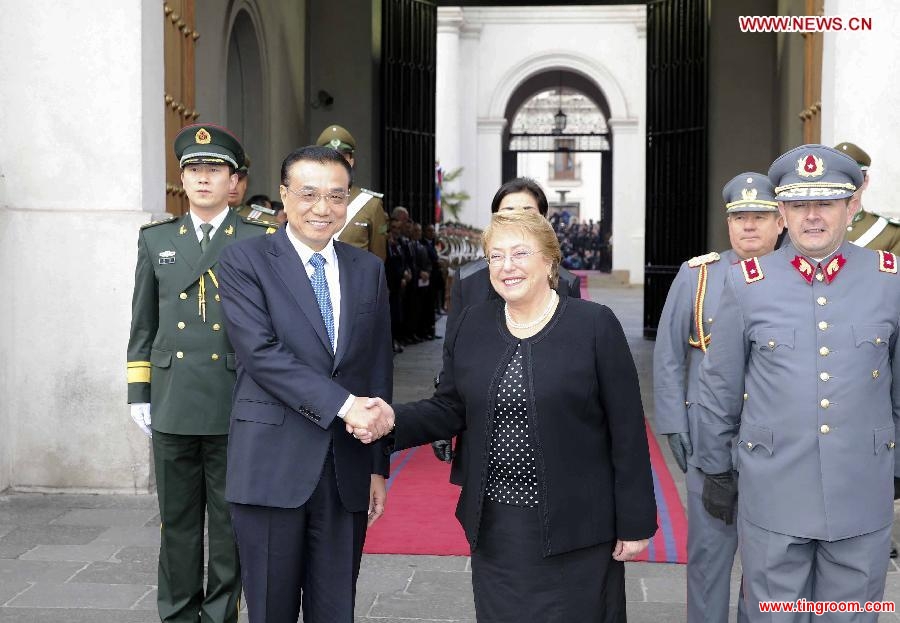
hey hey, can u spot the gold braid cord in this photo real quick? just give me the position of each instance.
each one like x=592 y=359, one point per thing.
x=702 y=341
x=201 y=294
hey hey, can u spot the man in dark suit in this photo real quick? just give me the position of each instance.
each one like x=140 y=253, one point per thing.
x=473 y=285
x=309 y=320
x=181 y=363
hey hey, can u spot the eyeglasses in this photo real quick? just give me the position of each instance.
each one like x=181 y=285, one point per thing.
x=517 y=258
x=308 y=196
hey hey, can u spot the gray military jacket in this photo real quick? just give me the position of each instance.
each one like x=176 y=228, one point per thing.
x=675 y=361
x=817 y=426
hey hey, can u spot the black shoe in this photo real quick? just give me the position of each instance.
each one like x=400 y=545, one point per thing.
x=893 y=552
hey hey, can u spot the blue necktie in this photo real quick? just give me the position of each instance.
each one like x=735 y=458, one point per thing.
x=323 y=296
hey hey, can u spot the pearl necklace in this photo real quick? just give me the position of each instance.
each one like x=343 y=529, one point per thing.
x=533 y=323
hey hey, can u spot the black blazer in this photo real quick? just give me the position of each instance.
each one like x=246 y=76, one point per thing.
x=473 y=285
x=290 y=385
x=585 y=412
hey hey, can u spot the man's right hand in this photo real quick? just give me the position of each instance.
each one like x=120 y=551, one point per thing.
x=369 y=419
x=443 y=450
x=140 y=413
x=720 y=492
x=682 y=448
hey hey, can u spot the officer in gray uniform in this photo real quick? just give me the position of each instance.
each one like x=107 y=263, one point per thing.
x=802 y=372
x=684 y=336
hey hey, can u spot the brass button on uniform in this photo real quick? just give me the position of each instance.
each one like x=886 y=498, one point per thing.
x=746 y=396
x=824 y=403
x=878 y=340
x=217 y=326
x=217 y=298
x=875 y=374
x=821 y=300
x=824 y=376
x=709 y=320
x=214 y=357
x=824 y=351
x=749 y=446
x=819 y=276
x=772 y=344
x=824 y=429
x=181 y=325
x=180 y=355
x=891 y=445
x=182 y=296
x=823 y=325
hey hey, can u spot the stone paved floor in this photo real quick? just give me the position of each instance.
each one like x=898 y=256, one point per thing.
x=92 y=558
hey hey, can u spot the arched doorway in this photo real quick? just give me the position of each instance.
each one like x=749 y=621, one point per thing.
x=245 y=97
x=557 y=133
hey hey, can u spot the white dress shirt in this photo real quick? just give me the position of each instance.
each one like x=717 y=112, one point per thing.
x=216 y=222
x=333 y=277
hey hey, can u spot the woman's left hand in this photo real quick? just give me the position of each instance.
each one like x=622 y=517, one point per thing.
x=627 y=550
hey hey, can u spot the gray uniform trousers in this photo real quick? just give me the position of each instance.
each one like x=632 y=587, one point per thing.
x=711 y=543
x=806 y=371
x=847 y=570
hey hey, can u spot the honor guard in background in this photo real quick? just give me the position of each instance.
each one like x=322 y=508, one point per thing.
x=686 y=331
x=799 y=394
x=366 y=226
x=253 y=211
x=868 y=229
x=181 y=372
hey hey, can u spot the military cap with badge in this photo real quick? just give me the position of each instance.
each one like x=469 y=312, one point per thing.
x=337 y=137
x=206 y=143
x=814 y=172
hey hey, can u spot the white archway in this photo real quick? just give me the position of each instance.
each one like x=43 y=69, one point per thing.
x=553 y=60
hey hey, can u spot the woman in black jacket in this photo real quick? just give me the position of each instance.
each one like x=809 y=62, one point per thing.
x=557 y=487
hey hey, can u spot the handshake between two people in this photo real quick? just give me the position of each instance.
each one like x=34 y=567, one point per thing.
x=369 y=419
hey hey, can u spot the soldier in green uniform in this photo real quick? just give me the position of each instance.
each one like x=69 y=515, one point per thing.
x=868 y=229
x=181 y=369
x=366 y=226
x=236 y=198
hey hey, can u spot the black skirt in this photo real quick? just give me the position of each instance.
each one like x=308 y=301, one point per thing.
x=514 y=583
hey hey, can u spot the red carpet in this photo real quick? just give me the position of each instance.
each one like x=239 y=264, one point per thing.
x=419 y=517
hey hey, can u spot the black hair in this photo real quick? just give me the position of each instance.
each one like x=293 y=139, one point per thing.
x=314 y=153
x=518 y=185
x=259 y=200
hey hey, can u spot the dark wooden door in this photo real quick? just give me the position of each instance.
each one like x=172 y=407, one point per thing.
x=676 y=182
x=409 y=41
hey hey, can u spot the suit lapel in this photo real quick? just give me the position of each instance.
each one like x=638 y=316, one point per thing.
x=287 y=265
x=349 y=290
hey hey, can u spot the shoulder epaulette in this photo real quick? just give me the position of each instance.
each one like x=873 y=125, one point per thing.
x=752 y=270
x=168 y=219
x=371 y=192
x=709 y=258
x=271 y=228
x=887 y=262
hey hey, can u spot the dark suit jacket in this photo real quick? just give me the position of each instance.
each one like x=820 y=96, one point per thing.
x=471 y=286
x=289 y=384
x=584 y=412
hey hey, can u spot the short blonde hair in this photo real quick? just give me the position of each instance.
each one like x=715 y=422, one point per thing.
x=531 y=223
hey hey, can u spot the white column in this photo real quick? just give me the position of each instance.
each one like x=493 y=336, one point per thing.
x=448 y=89
x=859 y=94
x=469 y=66
x=488 y=173
x=82 y=167
x=628 y=199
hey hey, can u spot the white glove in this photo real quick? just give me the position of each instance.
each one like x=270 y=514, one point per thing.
x=140 y=413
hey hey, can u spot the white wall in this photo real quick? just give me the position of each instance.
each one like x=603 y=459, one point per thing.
x=498 y=49
x=81 y=167
x=585 y=191
x=860 y=94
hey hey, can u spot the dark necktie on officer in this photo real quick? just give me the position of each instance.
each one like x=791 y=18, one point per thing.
x=323 y=296
x=204 y=242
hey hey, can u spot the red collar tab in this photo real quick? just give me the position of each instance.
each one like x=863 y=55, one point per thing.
x=752 y=270
x=803 y=267
x=834 y=267
x=887 y=262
